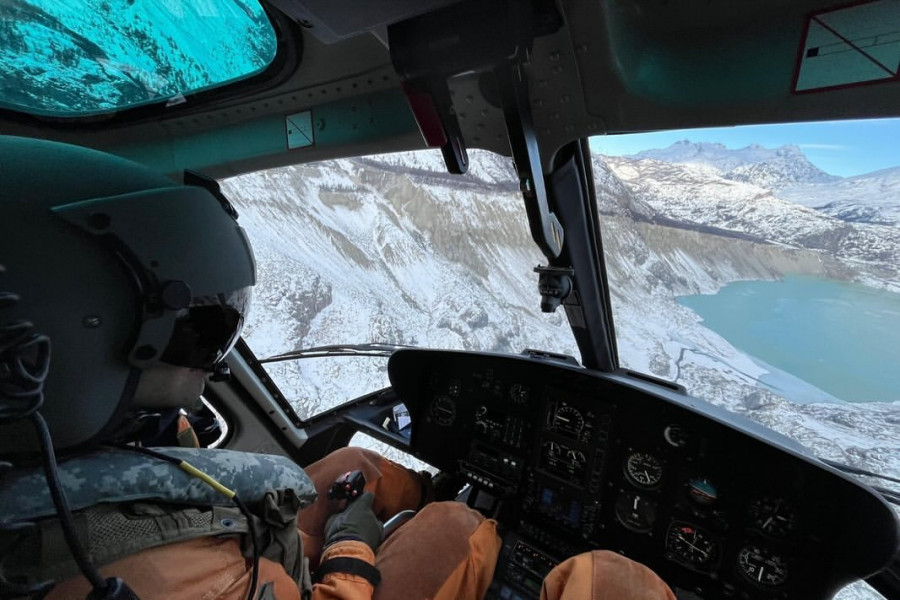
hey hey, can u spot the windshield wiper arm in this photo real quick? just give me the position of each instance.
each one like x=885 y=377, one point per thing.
x=370 y=349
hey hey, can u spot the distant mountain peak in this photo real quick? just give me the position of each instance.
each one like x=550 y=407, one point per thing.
x=766 y=167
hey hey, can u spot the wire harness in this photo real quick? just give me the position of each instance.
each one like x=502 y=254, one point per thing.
x=24 y=366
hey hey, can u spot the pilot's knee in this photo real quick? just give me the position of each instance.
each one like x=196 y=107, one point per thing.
x=455 y=518
x=451 y=548
x=605 y=575
x=617 y=571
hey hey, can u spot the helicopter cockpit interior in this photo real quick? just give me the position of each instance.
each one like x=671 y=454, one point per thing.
x=567 y=456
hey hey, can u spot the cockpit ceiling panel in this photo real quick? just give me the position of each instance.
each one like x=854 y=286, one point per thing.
x=642 y=66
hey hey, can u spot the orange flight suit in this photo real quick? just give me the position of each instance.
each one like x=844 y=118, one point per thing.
x=446 y=552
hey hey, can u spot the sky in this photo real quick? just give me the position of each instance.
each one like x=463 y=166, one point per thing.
x=843 y=148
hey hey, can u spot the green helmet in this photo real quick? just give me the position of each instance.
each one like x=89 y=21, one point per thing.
x=121 y=269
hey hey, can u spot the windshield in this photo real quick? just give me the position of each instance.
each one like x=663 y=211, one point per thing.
x=757 y=267
x=388 y=249
x=70 y=59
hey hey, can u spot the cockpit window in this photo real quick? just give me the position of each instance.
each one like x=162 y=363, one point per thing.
x=360 y=254
x=757 y=267
x=75 y=59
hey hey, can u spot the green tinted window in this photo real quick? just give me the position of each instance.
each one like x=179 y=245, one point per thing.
x=77 y=57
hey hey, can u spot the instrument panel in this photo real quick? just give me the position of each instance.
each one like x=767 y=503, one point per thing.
x=569 y=461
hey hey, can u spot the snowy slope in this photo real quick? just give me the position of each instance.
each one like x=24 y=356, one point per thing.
x=57 y=56
x=870 y=198
x=370 y=250
x=699 y=197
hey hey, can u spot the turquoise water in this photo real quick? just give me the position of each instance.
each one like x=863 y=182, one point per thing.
x=843 y=338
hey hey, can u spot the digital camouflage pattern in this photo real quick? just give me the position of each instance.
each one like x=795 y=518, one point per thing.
x=111 y=475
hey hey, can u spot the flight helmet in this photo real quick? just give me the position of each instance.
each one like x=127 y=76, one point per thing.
x=122 y=269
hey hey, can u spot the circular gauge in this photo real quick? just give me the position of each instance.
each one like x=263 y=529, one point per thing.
x=702 y=491
x=567 y=420
x=552 y=449
x=518 y=393
x=691 y=545
x=774 y=516
x=675 y=436
x=635 y=512
x=643 y=469
x=762 y=566
x=443 y=411
x=576 y=458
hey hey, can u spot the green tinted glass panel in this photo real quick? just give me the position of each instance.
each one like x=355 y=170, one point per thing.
x=84 y=57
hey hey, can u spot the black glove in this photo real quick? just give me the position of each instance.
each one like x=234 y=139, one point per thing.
x=357 y=522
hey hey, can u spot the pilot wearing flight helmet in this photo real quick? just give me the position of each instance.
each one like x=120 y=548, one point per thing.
x=140 y=287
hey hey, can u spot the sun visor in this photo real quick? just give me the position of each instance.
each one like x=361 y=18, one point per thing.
x=181 y=245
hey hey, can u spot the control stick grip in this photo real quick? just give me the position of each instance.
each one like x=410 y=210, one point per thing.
x=348 y=486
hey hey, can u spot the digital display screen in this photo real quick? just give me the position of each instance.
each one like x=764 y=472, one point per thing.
x=531 y=585
x=558 y=506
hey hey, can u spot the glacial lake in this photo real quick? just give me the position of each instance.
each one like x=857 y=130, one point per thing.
x=842 y=338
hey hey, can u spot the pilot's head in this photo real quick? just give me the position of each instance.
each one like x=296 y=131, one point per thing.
x=141 y=285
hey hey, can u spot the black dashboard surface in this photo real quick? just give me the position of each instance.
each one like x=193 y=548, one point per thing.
x=568 y=460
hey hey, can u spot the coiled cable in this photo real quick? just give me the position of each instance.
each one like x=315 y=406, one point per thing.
x=24 y=366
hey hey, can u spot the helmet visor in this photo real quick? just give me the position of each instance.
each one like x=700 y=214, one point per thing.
x=207 y=330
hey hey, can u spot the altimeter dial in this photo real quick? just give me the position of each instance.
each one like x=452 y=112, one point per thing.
x=762 y=567
x=643 y=469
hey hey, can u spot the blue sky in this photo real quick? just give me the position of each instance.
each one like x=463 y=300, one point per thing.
x=842 y=148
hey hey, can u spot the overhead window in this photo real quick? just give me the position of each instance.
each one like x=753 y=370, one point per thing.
x=68 y=59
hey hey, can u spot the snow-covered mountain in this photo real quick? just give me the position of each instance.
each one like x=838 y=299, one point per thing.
x=786 y=173
x=698 y=197
x=771 y=168
x=870 y=198
x=391 y=249
x=388 y=249
x=59 y=57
